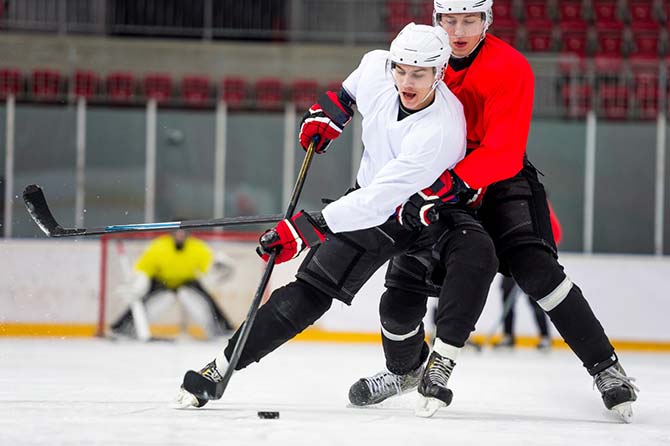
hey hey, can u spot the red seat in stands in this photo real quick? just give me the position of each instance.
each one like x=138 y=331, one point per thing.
x=398 y=14
x=195 y=90
x=86 y=84
x=539 y=36
x=642 y=15
x=158 y=86
x=234 y=91
x=304 y=93
x=46 y=84
x=536 y=10
x=503 y=12
x=120 y=86
x=506 y=33
x=606 y=15
x=10 y=82
x=269 y=93
x=646 y=91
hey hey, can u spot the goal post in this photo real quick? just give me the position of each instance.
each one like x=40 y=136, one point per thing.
x=232 y=292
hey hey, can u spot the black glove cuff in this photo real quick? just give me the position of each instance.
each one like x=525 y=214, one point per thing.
x=317 y=220
x=335 y=113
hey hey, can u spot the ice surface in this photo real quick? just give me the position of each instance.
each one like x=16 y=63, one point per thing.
x=85 y=392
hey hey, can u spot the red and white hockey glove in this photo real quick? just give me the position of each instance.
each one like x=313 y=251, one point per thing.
x=291 y=236
x=324 y=121
x=421 y=209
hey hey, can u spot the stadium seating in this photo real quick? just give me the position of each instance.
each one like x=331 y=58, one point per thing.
x=645 y=86
x=10 y=82
x=507 y=33
x=120 y=86
x=535 y=10
x=234 y=91
x=158 y=86
x=503 y=12
x=195 y=90
x=641 y=13
x=86 y=84
x=539 y=36
x=269 y=93
x=304 y=92
x=46 y=84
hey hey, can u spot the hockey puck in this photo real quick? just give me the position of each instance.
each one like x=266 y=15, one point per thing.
x=268 y=415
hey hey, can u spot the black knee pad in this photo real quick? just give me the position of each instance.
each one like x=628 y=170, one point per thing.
x=289 y=311
x=299 y=304
x=535 y=269
x=401 y=311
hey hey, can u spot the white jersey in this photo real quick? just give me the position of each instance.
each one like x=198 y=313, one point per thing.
x=400 y=157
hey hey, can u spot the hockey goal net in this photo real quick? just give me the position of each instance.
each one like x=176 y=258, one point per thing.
x=232 y=286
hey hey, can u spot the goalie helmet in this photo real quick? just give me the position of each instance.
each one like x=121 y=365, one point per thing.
x=464 y=7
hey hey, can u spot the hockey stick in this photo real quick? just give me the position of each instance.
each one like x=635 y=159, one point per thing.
x=37 y=206
x=197 y=384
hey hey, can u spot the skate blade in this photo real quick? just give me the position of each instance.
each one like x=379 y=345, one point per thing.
x=624 y=411
x=427 y=407
x=184 y=400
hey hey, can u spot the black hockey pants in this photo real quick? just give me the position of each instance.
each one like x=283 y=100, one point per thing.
x=516 y=215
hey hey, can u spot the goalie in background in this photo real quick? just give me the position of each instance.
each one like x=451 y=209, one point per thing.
x=170 y=268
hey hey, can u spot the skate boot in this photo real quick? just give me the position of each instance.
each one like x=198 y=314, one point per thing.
x=383 y=385
x=617 y=390
x=507 y=342
x=185 y=398
x=544 y=344
x=433 y=385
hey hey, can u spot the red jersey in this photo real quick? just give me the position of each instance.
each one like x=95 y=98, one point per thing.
x=497 y=95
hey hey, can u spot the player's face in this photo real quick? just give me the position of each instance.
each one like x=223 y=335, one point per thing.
x=414 y=84
x=465 y=31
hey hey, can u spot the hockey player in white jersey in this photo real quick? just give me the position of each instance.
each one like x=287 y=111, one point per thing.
x=413 y=129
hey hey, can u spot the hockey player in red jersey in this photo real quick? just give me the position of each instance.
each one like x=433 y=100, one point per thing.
x=495 y=84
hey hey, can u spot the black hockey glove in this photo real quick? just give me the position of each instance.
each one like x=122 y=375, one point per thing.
x=422 y=208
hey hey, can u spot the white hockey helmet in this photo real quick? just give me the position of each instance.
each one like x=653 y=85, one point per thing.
x=422 y=46
x=464 y=7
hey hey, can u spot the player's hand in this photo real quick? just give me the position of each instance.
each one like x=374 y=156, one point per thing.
x=324 y=121
x=422 y=208
x=290 y=237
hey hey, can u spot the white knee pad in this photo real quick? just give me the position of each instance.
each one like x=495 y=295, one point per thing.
x=198 y=309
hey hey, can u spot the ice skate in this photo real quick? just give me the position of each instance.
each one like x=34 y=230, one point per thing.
x=507 y=342
x=383 y=385
x=433 y=390
x=201 y=387
x=617 y=390
x=544 y=344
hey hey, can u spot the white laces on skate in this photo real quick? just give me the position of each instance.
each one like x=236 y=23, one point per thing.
x=440 y=370
x=612 y=377
x=383 y=382
x=211 y=373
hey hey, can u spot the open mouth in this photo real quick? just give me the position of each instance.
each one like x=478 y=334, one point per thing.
x=408 y=96
x=459 y=44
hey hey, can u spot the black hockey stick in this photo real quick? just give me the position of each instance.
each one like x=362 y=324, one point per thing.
x=39 y=210
x=197 y=384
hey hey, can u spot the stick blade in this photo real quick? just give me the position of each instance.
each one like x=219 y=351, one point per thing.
x=37 y=206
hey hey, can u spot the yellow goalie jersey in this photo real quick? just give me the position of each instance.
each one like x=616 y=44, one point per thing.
x=174 y=267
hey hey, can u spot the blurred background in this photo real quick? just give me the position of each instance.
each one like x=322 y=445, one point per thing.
x=130 y=111
x=139 y=110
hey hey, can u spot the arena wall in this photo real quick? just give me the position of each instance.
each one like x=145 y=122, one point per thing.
x=50 y=288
